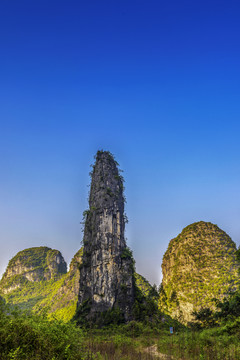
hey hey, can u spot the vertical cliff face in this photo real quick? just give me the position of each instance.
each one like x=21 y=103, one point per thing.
x=106 y=274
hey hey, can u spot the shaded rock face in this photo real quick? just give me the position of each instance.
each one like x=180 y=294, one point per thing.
x=106 y=275
x=33 y=264
x=199 y=265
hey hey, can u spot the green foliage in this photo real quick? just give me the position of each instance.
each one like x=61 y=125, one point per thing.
x=120 y=178
x=204 y=318
x=229 y=308
x=34 y=257
x=57 y=297
x=134 y=328
x=109 y=155
x=88 y=212
x=203 y=267
x=208 y=344
x=39 y=296
x=13 y=281
x=77 y=259
x=33 y=337
x=145 y=308
x=85 y=214
x=81 y=315
x=24 y=336
x=109 y=192
x=38 y=261
x=145 y=287
x=110 y=317
x=127 y=253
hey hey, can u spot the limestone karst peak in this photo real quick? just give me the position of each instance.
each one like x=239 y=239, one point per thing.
x=200 y=265
x=34 y=264
x=106 y=275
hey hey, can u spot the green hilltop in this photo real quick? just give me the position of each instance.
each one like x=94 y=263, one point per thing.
x=200 y=265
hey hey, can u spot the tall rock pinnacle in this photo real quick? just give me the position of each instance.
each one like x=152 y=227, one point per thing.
x=106 y=274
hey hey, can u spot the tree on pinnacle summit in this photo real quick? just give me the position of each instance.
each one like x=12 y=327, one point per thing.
x=106 y=274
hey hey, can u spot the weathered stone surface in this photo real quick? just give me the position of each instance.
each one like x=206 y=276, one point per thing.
x=199 y=265
x=106 y=275
x=33 y=264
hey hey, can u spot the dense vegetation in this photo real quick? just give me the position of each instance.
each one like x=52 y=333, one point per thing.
x=43 y=326
x=215 y=335
x=199 y=266
x=33 y=264
x=57 y=297
x=27 y=336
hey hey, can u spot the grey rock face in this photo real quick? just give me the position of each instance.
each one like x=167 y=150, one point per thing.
x=33 y=264
x=106 y=274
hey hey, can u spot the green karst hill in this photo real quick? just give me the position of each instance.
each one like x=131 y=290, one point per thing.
x=34 y=264
x=37 y=279
x=199 y=265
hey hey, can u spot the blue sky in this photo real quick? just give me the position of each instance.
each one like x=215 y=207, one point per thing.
x=156 y=83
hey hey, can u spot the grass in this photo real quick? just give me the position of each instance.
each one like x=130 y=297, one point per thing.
x=27 y=336
x=33 y=337
x=204 y=345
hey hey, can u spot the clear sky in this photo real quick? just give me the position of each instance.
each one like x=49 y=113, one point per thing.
x=157 y=83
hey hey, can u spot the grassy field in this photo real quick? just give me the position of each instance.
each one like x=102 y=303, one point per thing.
x=25 y=336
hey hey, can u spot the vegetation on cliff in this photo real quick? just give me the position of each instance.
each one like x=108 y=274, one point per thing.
x=200 y=265
x=57 y=297
x=106 y=273
x=24 y=336
x=31 y=265
x=143 y=284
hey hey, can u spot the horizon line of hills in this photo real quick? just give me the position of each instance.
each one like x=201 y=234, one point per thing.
x=37 y=278
x=199 y=266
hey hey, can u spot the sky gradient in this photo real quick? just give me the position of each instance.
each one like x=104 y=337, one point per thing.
x=155 y=83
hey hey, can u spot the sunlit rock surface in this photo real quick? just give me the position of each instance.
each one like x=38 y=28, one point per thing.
x=106 y=274
x=34 y=264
